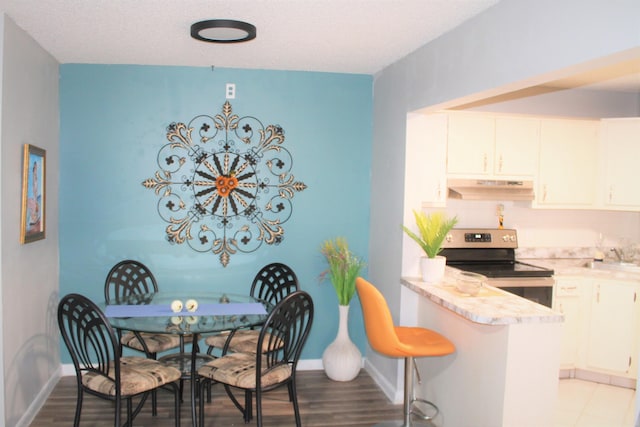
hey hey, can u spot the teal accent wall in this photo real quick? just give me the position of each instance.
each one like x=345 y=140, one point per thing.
x=113 y=121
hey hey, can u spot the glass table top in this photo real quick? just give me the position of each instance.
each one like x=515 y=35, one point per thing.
x=202 y=320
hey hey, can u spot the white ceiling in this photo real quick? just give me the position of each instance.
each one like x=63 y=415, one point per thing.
x=345 y=36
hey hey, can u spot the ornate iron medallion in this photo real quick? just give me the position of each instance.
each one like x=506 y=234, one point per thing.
x=229 y=192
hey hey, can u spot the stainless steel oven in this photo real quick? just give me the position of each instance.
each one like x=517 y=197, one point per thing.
x=491 y=252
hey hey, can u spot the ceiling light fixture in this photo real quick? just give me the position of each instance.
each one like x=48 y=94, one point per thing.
x=223 y=31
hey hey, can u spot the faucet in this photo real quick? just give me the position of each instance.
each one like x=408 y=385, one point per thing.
x=618 y=254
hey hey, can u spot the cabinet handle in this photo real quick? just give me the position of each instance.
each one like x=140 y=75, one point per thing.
x=500 y=163
x=544 y=193
x=611 y=193
x=484 y=162
x=598 y=294
x=439 y=193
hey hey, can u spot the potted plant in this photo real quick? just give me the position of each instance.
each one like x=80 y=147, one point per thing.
x=341 y=359
x=433 y=230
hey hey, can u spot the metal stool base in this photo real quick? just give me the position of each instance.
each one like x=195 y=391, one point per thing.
x=420 y=413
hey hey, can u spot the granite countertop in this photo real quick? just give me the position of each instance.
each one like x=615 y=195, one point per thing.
x=579 y=267
x=492 y=306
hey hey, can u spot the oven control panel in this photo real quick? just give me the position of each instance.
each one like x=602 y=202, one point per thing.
x=481 y=238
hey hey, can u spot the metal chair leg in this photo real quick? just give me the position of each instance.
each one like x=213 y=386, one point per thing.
x=409 y=395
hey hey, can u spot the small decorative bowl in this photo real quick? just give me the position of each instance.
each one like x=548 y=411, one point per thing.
x=470 y=283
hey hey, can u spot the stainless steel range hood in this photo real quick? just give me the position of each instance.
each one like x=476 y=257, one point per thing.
x=490 y=189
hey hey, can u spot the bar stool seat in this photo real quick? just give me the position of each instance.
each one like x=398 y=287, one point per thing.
x=400 y=341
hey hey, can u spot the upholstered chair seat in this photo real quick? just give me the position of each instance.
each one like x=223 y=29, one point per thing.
x=137 y=375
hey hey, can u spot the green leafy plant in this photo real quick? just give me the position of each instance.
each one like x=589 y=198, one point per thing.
x=344 y=268
x=433 y=229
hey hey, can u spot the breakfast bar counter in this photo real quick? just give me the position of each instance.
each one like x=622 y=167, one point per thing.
x=505 y=368
x=492 y=306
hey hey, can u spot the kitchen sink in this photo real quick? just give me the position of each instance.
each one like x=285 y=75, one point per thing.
x=614 y=266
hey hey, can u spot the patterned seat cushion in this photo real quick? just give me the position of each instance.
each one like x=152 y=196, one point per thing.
x=137 y=375
x=156 y=343
x=239 y=370
x=243 y=341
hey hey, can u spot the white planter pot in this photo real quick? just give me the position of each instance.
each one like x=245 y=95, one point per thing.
x=432 y=268
x=342 y=359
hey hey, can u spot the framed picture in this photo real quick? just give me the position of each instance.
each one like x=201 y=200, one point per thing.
x=32 y=226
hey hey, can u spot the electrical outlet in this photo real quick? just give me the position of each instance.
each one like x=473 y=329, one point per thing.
x=231 y=91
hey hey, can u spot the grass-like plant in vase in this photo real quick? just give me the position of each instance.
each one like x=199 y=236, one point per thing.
x=342 y=358
x=433 y=229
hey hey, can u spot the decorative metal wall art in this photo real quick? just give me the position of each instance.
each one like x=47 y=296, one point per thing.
x=228 y=191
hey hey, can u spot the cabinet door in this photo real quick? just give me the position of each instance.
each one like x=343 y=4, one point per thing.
x=517 y=144
x=612 y=328
x=425 y=164
x=621 y=151
x=568 y=163
x=568 y=302
x=470 y=144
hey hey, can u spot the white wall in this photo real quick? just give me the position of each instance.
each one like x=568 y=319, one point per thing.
x=2 y=412
x=29 y=273
x=510 y=46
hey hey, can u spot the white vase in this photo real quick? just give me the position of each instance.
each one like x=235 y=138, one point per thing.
x=342 y=359
x=432 y=268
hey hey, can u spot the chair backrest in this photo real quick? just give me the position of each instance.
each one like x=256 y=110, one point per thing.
x=274 y=282
x=88 y=336
x=378 y=322
x=285 y=331
x=127 y=278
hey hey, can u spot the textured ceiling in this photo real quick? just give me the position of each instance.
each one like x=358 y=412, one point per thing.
x=345 y=36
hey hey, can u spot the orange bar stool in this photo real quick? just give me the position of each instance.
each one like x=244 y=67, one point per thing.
x=399 y=341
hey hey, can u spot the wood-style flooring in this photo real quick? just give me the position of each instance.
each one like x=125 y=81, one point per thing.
x=323 y=402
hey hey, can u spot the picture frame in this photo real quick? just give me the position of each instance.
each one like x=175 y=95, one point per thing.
x=33 y=215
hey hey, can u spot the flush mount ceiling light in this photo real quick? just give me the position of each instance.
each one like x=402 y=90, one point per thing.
x=223 y=31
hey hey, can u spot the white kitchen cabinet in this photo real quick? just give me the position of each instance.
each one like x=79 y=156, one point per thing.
x=620 y=148
x=470 y=144
x=612 y=335
x=481 y=145
x=568 y=163
x=426 y=158
x=569 y=299
x=517 y=144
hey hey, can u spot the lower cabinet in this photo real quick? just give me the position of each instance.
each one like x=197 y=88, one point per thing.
x=568 y=300
x=613 y=328
x=600 y=332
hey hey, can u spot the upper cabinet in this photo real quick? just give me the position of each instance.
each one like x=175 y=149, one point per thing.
x=574 y=163
x=426 y=156
x=568 y=163
x=470 y=144
x=620 y=151
x=517 y=142
x=485 y=145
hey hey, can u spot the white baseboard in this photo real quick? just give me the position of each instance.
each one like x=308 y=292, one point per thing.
x=39 y=401
x=393 y=394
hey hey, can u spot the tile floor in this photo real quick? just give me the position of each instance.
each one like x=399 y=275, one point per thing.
x=589 y=404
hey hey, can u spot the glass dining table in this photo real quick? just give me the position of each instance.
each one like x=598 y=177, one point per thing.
x=189 y=314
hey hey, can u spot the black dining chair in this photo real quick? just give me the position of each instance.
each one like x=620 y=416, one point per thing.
x=271 y=364
x=130 y=278
x=100 y=368
x=271 y=284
